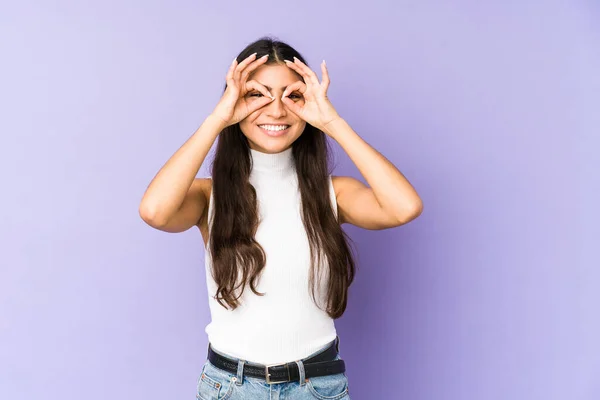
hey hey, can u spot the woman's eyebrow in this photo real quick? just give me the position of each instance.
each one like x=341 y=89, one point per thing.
x=270 y=88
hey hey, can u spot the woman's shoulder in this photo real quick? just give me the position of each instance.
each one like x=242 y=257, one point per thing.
x=339 y=183
x=205 y=188
x=204 y=185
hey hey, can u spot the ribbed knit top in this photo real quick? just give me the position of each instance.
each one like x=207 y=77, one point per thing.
x=283 y=325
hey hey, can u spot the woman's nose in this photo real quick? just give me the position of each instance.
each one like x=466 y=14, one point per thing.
x=276 y=107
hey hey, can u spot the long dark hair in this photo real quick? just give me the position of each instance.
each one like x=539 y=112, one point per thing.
x=233 y=248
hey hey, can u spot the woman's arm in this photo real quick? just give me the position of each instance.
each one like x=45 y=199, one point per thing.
x=390 y=201
x=166 y=193
x=171 y=202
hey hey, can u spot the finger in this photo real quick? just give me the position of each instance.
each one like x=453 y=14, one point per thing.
x=297 y=69
x=255 y=64
x=292 y=106
x=252 y=84
x=231 y=69
x=312 y=76
x=240 y=67
x=255 y=105
x=298 y=85
x=325 y=81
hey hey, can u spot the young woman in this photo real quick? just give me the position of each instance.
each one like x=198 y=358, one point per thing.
x=278 y=265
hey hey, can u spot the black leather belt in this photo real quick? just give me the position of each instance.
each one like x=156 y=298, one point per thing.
x=320 y=364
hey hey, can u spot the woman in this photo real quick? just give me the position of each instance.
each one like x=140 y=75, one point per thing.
x=278 y=265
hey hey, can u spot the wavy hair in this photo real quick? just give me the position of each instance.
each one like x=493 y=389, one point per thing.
x=235 y=252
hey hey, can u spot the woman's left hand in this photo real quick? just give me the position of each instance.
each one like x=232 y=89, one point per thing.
x=317 y=109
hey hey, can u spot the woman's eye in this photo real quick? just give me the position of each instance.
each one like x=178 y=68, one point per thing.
x=291 y=96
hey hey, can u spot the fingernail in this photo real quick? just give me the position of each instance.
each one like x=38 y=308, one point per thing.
x=287 y=61
x=324 y=62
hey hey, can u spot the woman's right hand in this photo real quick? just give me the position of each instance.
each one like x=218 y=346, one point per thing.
x=234 y=106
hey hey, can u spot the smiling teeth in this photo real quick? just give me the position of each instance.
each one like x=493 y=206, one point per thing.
x=274 y=127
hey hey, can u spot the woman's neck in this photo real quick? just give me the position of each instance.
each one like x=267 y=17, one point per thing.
x=272 y=162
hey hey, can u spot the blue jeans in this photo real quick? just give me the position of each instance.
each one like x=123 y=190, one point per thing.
x=217 y=384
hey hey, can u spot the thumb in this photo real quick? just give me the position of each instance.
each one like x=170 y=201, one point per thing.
x=292 y=106
x=259 y=103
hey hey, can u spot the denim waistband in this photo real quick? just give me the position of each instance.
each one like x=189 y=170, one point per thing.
x=235 y=359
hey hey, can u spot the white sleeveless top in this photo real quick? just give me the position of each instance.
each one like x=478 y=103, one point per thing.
x=283 y=325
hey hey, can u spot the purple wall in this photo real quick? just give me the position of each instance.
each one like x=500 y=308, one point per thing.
x=490 y=110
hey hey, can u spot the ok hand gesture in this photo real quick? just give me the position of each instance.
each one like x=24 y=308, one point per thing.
x=233 y=106
x=317 y=109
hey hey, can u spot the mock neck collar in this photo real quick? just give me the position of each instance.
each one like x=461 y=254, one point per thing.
x=277 y=162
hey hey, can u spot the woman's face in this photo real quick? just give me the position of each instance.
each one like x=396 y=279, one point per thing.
x=262 y=127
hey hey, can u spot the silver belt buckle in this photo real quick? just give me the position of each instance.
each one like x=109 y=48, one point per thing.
x=267 y=374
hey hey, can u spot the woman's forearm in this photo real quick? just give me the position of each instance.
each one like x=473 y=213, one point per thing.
x=168 y=188
x=393 y=191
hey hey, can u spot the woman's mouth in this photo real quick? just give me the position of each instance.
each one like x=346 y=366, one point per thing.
x=274 y=130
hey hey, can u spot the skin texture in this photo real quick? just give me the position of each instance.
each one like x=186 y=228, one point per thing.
x=175 y=200
x=277 y=77
x=390 y=201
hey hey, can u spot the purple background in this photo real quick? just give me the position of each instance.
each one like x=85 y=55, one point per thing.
x=490 y=109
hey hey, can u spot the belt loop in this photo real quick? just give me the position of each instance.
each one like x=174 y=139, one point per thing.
x=300 y=372
x=240 y=372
